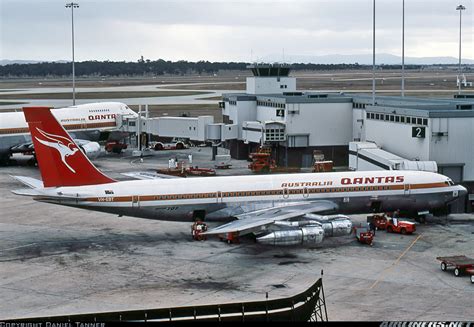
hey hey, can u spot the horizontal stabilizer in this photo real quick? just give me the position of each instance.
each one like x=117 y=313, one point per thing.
x=29 y=181
x=147 y=175
x=27 y=192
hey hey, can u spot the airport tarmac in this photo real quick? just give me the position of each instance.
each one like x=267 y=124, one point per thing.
x=57 y=260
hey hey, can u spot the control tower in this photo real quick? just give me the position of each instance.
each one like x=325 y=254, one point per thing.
x=270 y=79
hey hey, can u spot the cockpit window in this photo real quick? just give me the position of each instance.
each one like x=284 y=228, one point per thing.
x=450 y=182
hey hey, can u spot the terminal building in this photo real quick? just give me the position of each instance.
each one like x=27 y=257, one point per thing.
x=295 y=123
x=409 y=132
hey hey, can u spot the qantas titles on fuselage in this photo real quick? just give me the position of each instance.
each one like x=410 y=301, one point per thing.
x=350 y=181
x=102 y=117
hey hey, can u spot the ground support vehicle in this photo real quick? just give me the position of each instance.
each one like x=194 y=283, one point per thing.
x=197 y=229
x=223 y=161
x=262 y=163
x=230 y=238
x=182 y=171
x=323 y=166
x=115 y=146
x=364 y=235
x=400 y=226
x=158 y=146
x=196 y=171
x=379 y=221
x=461 y=264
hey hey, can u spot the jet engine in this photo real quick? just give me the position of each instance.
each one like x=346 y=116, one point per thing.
x=337 y=225
x=90 y=149
x=305 y=235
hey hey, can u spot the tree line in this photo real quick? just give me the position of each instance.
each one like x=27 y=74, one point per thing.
x=154 y=68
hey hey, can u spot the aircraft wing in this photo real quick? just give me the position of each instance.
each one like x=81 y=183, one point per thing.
x=258 y=220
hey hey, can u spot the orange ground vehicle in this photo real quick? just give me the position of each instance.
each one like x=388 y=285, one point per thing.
x=364 y=235
x=394 y=225
x=379 y=221
x=230 y=238
x=262 y=162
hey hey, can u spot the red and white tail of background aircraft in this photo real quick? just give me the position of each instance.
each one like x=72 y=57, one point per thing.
x=279 y=209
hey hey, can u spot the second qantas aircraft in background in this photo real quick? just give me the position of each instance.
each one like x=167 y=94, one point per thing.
x=85 y=123
x=278 y=209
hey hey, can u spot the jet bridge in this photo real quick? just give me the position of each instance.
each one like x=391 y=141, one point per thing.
x=366 y=156
x=201 y=128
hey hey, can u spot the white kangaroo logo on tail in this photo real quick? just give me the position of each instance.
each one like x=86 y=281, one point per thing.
x=59 y=143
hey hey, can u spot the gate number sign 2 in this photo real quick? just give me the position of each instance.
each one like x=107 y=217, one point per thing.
x=418 y=131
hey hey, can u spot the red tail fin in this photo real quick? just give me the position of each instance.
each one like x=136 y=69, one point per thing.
x=60 y=160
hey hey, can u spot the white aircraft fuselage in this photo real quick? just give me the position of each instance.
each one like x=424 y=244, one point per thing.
x=224 y=197
x=83 y=122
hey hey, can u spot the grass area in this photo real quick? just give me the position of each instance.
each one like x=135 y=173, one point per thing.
x=217 y=86
x=5 y=103
x=17 y=83
x=189 y=110
x=100 y=95
x=219 y=98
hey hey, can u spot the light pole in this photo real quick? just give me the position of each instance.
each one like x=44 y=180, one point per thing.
x=73 y=5
x=460 y=8
x=373 y=54
x=403 y=48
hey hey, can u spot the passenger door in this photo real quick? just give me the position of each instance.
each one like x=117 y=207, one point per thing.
x=135 y=201
x=406 y=189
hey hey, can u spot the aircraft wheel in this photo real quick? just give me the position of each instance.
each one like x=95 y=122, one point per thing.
x=457 y=272
x=403 y=231
x=389 y=229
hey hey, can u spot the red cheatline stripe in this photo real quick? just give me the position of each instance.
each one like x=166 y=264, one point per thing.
x=214 y=195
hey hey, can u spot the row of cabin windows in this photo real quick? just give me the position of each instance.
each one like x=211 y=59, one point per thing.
x=99 y=110
x=72 y=119
x=233 y=103
x=270 y=104
x=398 y=119
x=270 y=192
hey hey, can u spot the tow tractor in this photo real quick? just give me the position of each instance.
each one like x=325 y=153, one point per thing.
x=400 y=226
x=461 y=264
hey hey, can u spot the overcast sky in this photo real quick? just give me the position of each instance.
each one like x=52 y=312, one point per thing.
x=229 y=30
